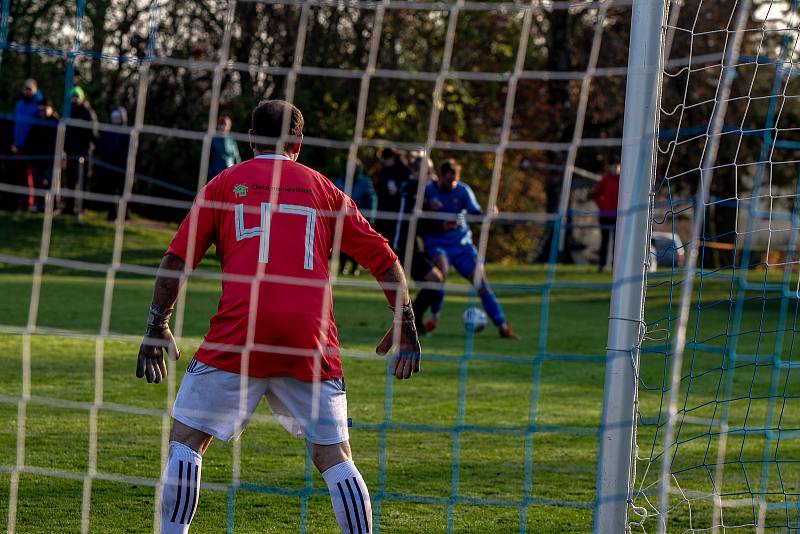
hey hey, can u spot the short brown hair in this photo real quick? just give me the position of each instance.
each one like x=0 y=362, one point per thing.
x=268 y=115
x=450 y=165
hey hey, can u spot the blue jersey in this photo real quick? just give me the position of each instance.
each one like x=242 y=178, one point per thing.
x=458 y=201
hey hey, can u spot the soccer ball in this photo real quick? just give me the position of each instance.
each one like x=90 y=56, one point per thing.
x=474 y=319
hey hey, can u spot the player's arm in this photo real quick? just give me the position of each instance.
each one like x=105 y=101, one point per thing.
x=438 y=221
x=403 y=332
x=157 y=336
x=427 y=225
x=371 y=250
x=471 y=203
x=194 y=234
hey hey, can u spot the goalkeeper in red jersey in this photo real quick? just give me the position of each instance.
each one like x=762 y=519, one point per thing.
x=274 y=223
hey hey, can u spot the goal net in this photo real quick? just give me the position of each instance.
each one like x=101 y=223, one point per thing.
x=716 y=445
x=492 y=436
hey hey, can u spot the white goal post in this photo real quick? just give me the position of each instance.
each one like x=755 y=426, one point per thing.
x=631 y=252
x=692 y=479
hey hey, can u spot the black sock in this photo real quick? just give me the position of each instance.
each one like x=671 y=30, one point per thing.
x=422 y=302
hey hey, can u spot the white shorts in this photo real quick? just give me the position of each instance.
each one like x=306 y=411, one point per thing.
x=209 y=400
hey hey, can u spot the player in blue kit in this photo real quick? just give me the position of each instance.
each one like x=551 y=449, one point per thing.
x=452 y=244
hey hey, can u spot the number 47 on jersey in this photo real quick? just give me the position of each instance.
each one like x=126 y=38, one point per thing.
x=262 y=230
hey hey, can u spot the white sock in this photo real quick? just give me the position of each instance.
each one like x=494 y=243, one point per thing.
x=350 y=498
x=181 y=488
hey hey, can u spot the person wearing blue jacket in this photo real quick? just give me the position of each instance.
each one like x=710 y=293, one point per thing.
x=450 y=242
x=224 y=151
x=363 y=194
x=25 y=111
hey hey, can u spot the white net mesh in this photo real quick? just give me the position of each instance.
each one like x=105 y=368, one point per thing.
x=715 y=428
x=527 y=95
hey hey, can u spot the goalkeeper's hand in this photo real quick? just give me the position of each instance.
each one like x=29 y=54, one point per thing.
x=157 y=337
x=409 y=352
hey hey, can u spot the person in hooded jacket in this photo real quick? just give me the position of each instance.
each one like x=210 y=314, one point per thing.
x=391 y=179
x=41 y=144
x=25 y=111
x=78 y=142
x=224 y=152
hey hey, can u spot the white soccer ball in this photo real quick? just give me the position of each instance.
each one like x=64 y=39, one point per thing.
x=474 y=319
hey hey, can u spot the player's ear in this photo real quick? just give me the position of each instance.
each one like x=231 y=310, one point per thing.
x=295 y=150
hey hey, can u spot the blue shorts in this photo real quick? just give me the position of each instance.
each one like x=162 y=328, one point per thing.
x=463 y=257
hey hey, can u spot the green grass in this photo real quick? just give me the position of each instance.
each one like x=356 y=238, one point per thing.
x=564 y=398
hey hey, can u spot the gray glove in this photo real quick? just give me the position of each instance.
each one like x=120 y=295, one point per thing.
x=409 y=352
x=157 y=337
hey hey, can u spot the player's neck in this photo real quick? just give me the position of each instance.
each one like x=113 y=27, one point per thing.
x=274 y=154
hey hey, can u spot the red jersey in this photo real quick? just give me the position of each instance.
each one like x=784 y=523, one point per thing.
x=605 y=195
x=274 y=219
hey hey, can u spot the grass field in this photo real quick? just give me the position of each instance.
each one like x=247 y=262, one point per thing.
x=454 y=437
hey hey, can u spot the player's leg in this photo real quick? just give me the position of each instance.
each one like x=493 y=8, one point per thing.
x=70 y=177
x=206 y=406
x=468 y=266
x=41 y=180
x=329 y=440
x=427 y=297
x=466 y=263
x=424 y=270
x=442 y=263
x=180 y=489
x=349 y=493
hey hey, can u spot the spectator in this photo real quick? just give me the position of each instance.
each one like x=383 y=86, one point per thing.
x=408 y=199
x=112 y=150
x=423 y=269
x=224 y=151
x=392 y=177
x=8 y=167
x=605 y=196
x=25 y=111
x=78 y=144
x=363 y=194
x=41 y=143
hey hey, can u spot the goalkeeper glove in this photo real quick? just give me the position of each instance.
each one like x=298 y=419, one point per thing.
x=409 y=352
x=150 y=363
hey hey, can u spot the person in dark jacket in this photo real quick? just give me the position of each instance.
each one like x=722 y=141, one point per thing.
x=224 y=151
x=41 y=144
x=78 y=142
x=423 y=269
x=362 y=191
x=408 y=200
x=8 y=167
x=112 y=151
x=363 y=194
x=605 y=196
x=393 y=175
x=25 y=111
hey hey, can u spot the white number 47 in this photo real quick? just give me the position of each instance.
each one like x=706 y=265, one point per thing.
x=262 y=231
